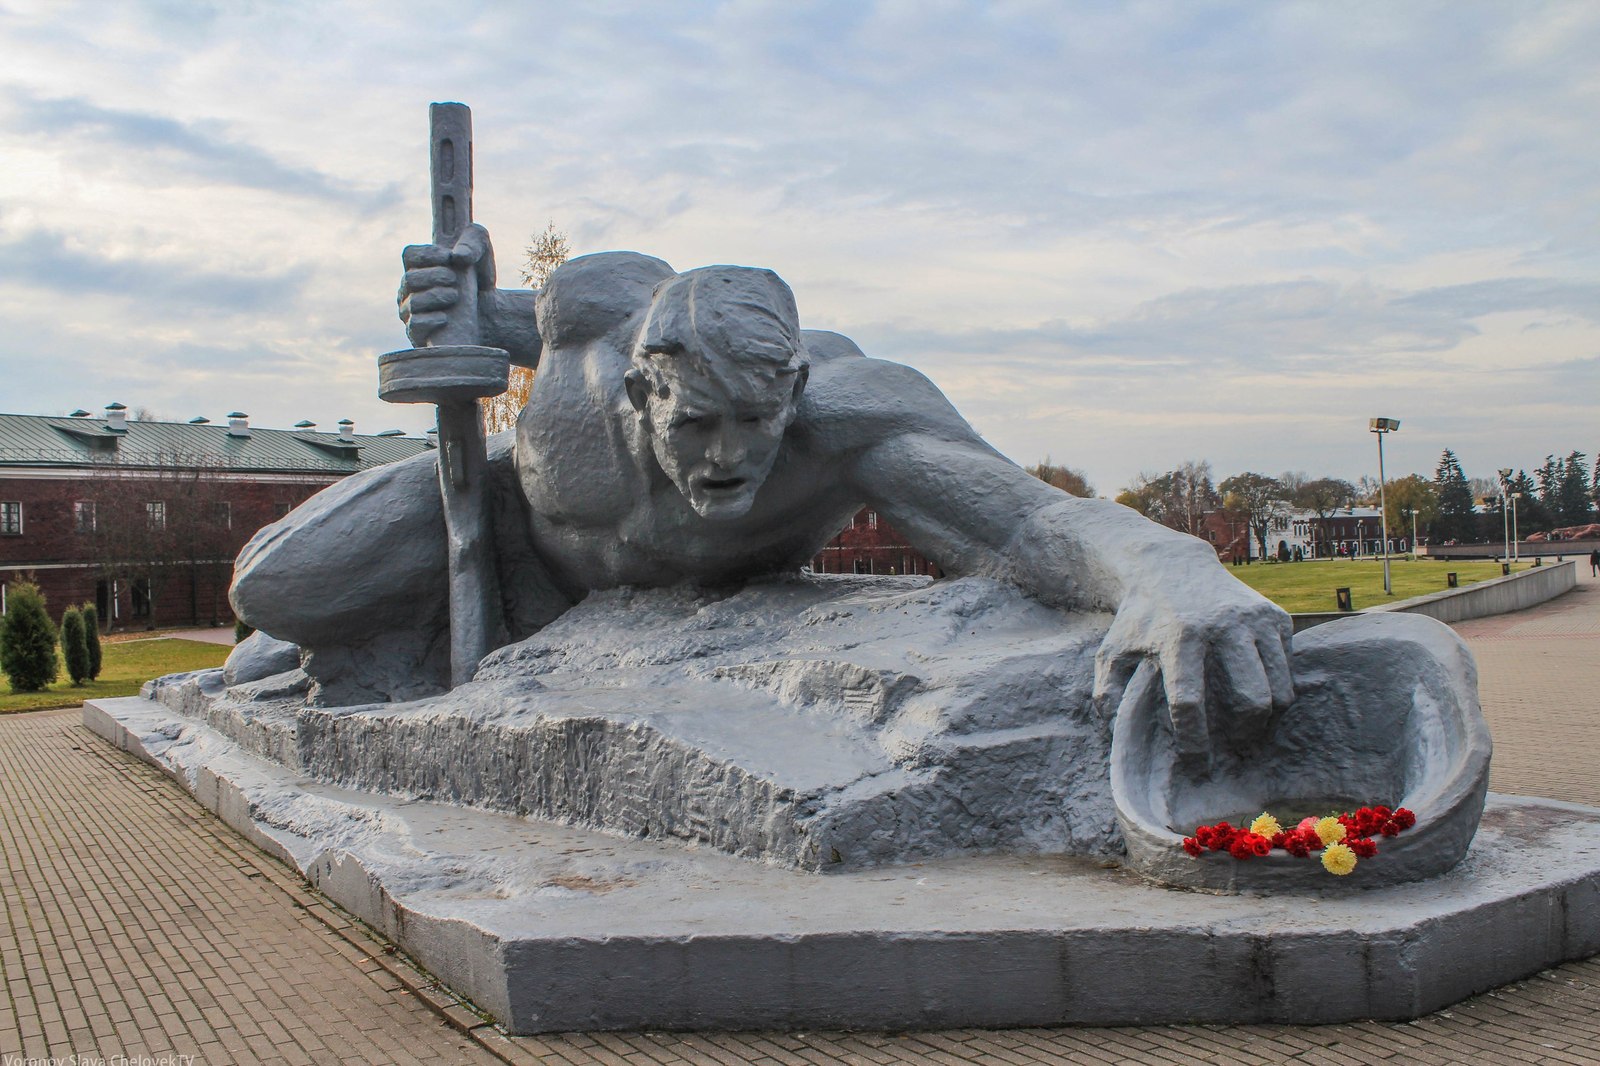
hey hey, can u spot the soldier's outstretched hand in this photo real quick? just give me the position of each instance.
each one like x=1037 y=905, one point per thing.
x=1223 y=652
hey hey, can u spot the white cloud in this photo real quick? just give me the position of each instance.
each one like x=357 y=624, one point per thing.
x=1123 y=235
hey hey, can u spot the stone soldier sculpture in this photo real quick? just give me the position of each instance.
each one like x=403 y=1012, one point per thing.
x=684 y=428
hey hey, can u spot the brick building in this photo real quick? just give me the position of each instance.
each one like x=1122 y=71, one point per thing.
x=144 y=519
x=870 y=545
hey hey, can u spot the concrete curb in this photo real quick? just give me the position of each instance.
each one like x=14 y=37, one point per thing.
x=1500 y=595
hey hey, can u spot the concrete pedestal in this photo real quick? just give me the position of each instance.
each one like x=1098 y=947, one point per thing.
x=552 y=927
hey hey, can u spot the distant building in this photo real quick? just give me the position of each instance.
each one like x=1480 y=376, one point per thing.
x=1351 y=532
x=870 y=545
x=144 y=519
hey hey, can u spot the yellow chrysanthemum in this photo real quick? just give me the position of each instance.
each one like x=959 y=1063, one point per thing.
x=1330 y=831
x=1266 y=825
x=1338 y=859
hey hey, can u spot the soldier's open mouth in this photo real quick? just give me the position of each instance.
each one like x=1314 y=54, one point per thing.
x=725 y=484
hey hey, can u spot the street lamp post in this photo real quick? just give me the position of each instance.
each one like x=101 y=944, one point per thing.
x=1505 y=508
x=1380 y=426
x=1516 y=538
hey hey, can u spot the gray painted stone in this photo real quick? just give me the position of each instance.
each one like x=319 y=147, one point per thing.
x=833 y=723
x=1386 y=712
x=554 y=928
x=683 y=429
x=663 y=670
x=258 y=656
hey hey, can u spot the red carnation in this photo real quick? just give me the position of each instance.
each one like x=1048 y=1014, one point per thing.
x=1241 y=848
x=1404 y=818
x=1260 y=844
x=1364 y=847
x=1367 y=821
x=1391 y=828
x=1192 y=846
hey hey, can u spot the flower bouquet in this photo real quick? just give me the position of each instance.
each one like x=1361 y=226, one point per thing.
x=1343 y=838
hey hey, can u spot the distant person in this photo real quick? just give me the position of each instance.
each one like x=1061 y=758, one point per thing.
x=1594 y=563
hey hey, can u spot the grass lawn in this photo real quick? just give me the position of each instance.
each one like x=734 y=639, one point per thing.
x=1308 y=586
x=124 y=666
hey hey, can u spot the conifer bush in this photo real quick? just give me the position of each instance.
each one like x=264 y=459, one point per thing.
x=27 y=640
x=75 y=646
x=91 y=633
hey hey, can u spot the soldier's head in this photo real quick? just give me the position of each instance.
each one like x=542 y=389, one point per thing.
x=717 y=374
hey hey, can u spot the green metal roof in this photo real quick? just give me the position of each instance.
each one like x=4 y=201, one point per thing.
x=59 y=440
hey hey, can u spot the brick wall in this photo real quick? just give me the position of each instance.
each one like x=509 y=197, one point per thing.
x=66 y=562
x=870 y=545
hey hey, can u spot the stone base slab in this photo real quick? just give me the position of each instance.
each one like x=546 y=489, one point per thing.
x=553 y=928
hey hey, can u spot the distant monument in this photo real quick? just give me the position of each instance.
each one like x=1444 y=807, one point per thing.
x=633 y=552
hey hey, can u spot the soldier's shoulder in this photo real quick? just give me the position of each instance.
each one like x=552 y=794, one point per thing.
x=857 y=401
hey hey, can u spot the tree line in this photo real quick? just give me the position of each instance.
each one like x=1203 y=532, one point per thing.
x=1450 y=506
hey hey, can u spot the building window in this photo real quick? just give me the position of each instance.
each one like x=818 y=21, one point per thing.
x=155 y=514
x=83 y=516
x=224 y=514
x=872 y=519
x=283 y=510
x=11 y=518
x=140 y=591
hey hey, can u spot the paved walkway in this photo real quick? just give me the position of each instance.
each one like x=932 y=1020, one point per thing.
x=136 y=924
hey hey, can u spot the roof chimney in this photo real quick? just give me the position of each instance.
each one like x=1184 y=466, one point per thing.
x=80 y=413
x=238 y=424
x=117 y=417
x=305 y=423
x=347 y=429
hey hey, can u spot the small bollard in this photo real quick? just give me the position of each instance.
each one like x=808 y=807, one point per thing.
x=1505 y=569
x=1342 y=598
x=1450 y=581
x=1538 y=560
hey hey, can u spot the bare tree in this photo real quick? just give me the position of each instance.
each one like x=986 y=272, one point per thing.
x=549 y=250
x=1178 y=499
x=1323 y=497
x=1292 y=482
x=1193 y=494
x=1256 y=498
x=1062 y=477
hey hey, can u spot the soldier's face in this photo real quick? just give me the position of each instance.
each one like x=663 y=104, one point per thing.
x=716 y=438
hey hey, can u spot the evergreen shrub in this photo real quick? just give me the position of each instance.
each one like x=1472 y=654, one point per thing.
x=74 y=646
x=91 y=633
x=27 y=640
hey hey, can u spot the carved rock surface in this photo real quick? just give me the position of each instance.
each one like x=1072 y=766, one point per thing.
x=258 y=656
x=818 y=722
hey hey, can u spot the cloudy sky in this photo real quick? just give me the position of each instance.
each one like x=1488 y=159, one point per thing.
x=1123 y=235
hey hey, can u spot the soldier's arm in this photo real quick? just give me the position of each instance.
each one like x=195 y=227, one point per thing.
x=428 y=291
x=1223 y=651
